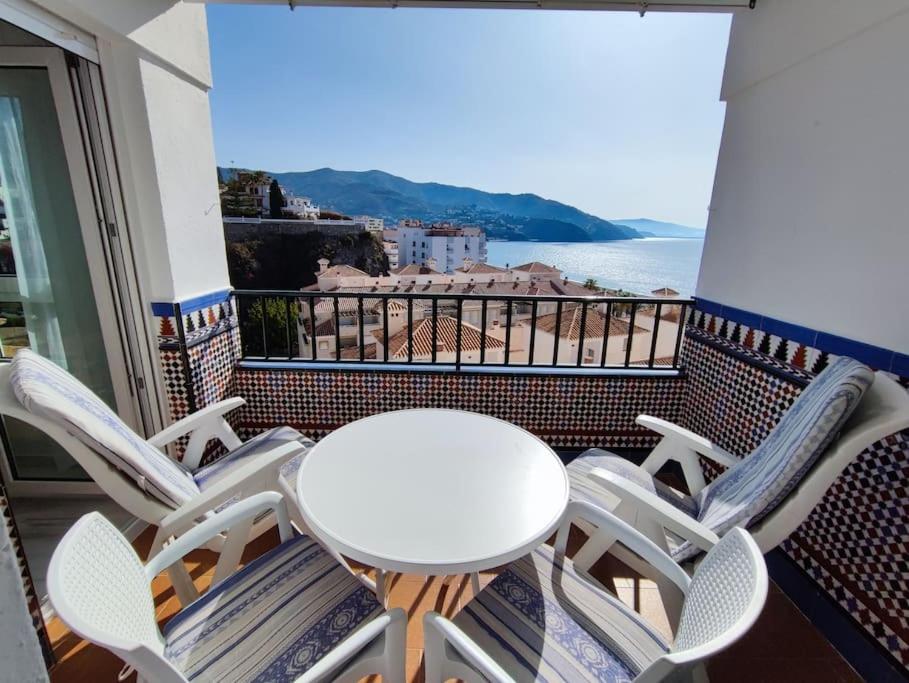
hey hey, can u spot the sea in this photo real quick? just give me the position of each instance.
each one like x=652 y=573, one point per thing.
x=639 y=266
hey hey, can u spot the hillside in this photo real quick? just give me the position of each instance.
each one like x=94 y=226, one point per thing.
x=504 y=216
x=652 y=228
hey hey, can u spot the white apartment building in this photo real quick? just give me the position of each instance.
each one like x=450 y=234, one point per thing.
x=448 y=245
x=301 y=207
x=391 y=251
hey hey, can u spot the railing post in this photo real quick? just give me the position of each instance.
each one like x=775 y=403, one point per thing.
x=290 y=349
x=385 y=329
x=634 y=310
x=264 y=328
x=678 y=336
x=337 y=305
x=557 y=333
x=582 y=331
x=435 y=328
x=460 y=308
x=607 y=327
x=508 y=331
x=362 y=333
x=312 y=324
x=483 y=328
x=410 y=330
x=656 y=329
x=533 y=331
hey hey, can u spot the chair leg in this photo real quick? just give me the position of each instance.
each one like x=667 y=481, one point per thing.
x=380 y=587
x=395 y=647
x=672 y=598
x=599 y=543
x=179 y=577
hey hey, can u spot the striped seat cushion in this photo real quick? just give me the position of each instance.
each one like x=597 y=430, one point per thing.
x=542 y=622
x=583 y=488
x=207 y=475
x=272 y=620
x=746 y=493
x=47 y=390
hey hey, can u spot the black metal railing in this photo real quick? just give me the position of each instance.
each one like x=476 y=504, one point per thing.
x=460 y=330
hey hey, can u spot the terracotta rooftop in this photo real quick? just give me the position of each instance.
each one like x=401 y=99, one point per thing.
x=665 y=291
x=326 y=328
x=415 y=269
x=481 y=269
x=343 y=270
x=447 y=336
x=353 y=352
x=594 y=324
x=537 y=267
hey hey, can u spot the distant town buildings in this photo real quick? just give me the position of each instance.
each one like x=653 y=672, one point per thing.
x=608 y=329
x=375 y=225
x=300 y=207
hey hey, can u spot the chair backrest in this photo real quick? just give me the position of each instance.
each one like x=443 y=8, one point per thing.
x=725 y=597
x=47 y=390
x=746 y=493
x=99 y=588
x=883 y=411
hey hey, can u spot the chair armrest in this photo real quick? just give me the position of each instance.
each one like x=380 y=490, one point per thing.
x=204 y=425
x=222 y=521
x=328 y=667
x=440 y=630
x=630 y=537
x=259 y=474
x=689 y=439
x=683 y=446
x=650 y=505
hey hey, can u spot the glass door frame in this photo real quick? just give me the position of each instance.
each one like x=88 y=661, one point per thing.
x=72 y=109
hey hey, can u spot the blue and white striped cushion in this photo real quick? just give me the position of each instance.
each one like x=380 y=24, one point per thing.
x=261 y=443
x=746 y=493
x=272 y=620
x=583 y=488
x=541 y=622
x=47 y=390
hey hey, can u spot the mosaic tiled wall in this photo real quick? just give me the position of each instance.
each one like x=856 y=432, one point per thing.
x=199 y=344
x=855 y=545
x=567 y=412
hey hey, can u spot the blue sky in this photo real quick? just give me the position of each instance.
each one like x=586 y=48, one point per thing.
x=615 y=114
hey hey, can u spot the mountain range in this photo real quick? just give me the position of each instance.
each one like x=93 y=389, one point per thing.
x=503 y=216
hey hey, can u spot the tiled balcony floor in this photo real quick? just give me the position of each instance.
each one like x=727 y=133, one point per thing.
x=783 y=645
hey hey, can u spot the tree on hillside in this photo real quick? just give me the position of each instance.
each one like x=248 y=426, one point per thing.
x=276 y=200
x=591 y=283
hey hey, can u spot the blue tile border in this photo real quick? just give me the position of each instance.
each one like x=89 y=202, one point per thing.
x=166 y=308
x=878 y=357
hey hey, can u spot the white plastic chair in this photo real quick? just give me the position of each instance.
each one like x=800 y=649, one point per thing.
x=542 y=619
x=674 y=520
x=290 y=614
x=137 y=473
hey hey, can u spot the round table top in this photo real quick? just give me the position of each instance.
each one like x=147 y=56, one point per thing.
x=432 y=492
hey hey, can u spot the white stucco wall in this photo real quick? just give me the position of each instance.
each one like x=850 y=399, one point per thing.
x=809 y=219
x=154 y=57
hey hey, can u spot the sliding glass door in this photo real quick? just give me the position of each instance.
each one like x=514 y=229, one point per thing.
x=55 y=291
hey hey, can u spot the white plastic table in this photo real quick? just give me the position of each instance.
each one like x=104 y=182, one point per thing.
x=432 y=492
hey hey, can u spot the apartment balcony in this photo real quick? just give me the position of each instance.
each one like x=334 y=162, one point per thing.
x=801 y=266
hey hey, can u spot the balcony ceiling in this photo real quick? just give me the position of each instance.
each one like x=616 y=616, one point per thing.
x=640 y=7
